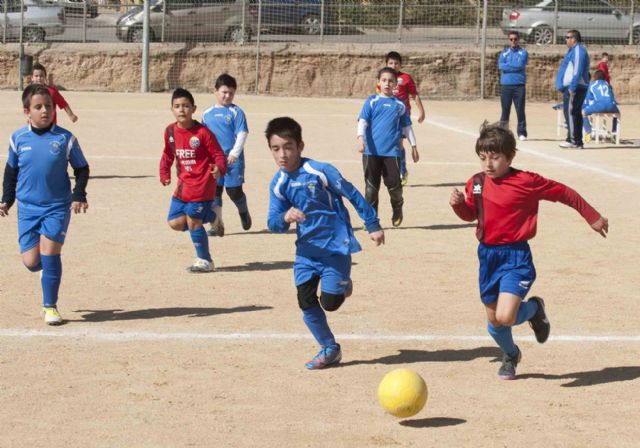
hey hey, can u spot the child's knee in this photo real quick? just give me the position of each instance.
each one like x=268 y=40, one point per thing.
x=35 y=266
x=331 y=302
x=503 y=320
x=179 y=225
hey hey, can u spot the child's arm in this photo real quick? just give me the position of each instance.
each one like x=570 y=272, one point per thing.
x=166 y=160
x=407 y=131
x=219 y=161
x=73 y=117
x=81 y=172
x=464 y=209
x=421 y=113
x=281 y=214
x=238 y=147
x=9 y=182
x=360 y=136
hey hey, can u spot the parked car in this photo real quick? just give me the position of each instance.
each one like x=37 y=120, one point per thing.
x=290 y=16
x=189 y=20
x=40 y=20
x=77 y=6
x=597 y=20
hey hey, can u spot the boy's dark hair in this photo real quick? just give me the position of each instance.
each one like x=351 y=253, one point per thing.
x=576 y=34
x=38 y=66
x=30 y=91
x=514 y=33
x=604 y=54
x=393 y=55
x=494 y=138
x=182 y=93
x=226 y=80
x=598 y=75
x=284 y=127
x=384 y=70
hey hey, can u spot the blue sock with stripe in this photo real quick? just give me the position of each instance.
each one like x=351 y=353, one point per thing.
x=51 y=277
x=316 y=320
x=504 y=339
x=201 y=243
x=526 y=311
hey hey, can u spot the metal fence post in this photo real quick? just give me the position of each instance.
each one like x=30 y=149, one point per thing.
x=4 y=28
x=322 y=21
x=477 y=21
x=400 y=20
x=631 y=12
x=145 y=47
x=84 y=21
x=483 y=50
x=258 y=47
x=164 y=18
x=244 y=20
x=21 y=50
x=555 y=23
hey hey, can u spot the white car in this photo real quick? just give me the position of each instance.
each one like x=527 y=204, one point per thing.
x=40 y=20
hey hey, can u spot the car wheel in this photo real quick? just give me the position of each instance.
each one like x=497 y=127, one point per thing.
x=636 y=35
x=137 y=34
x=235 y=35
x=33 y=34
x=542 y=35
x=311 y=24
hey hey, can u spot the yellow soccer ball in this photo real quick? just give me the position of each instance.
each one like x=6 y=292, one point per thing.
x=402 y=392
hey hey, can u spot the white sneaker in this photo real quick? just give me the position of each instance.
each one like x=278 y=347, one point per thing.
x=200 y=265
x=569 y=145
x=51 y=316
x=522 y=138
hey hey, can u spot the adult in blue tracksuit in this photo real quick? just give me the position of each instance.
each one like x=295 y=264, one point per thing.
x=572 y=81
x=512 y=64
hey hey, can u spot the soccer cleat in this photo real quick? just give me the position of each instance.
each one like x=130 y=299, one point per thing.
x=200 y=266
x=404 y=178
x=539 y=322
x=325 y=357
x=216 y=229
x=570 y=145
x=245 y=219
x=396 y=218
x=522 y=138
x=587 y=138
x=507 y=370
x=51 y=315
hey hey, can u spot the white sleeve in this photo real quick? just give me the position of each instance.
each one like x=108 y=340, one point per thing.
x=407 y=131
x=239 y=146
x=362 y=127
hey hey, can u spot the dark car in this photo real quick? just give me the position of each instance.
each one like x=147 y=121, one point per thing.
x=290 y=16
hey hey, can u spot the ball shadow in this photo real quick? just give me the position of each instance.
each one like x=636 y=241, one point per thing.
x=433 y=422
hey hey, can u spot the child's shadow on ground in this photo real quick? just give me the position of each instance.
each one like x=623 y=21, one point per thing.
x=433 y=422
x=591 y=378
x=155 y=313
x=257 y=266
x=409 y=356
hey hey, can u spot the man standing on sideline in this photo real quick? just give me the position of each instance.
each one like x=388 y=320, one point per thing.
x=512 y=63
x=573 y=81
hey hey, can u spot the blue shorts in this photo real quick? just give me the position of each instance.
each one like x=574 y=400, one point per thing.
x=196 y=210
x=505 y=268
x=234 y=176
x=334 y=272
x=49 y=221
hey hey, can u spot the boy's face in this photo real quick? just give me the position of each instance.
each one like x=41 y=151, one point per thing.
x=394 y=64
x=605 y=59
x=286 y=152
x=183 y=112
x=40 y=111
x=38 y=77
x=387 y=83
x=494 y=164
x=224 y=95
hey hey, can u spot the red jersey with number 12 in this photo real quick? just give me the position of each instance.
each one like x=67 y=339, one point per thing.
x=195 y=151
x=508 y=206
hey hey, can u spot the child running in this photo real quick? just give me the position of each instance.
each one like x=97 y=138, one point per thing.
x=310 y=193
x=229 y=124
x=36 y=175
x=39 y=76
x=505 y=200
x=383 y=121
x=199 y=161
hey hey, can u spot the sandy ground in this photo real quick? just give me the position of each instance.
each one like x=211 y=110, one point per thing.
x=154 y=357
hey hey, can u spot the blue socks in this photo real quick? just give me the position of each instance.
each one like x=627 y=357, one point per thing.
x=51 y=277
x=201 y=243
x=316 y=321
x=504 y=339
x=241 y=204
x=526 y=311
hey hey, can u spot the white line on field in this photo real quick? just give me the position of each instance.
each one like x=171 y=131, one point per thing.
x=123 y=336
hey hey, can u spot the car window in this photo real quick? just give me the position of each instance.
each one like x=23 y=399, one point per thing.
x=175 y=5
x=12 y=6
x=216 y=2
x=571 y=5
x=596 y=6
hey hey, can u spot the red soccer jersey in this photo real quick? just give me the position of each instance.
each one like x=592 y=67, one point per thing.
x=508 y=207
x=58 y=100
x=405 y=89
x=195 y=151
x=602 y=66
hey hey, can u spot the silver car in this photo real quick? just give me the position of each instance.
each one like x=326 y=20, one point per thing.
x=189 y=20
x=597 y=20
x=40 y=20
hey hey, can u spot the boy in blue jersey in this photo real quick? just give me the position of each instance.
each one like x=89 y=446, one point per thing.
x=599 y=99
x=229 y=124
x=382 y=123
x=36 y=175
x=310 y=193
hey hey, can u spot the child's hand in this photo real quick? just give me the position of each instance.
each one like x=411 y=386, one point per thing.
x=4 y=210
x=377 y=237
x=73 y=118
x=360 y=144
x=294 y=215
x=215 y=171
x=457 y=197
x=78 y=207
x=414 y=154
x=231 y=159
x=421 y=117
x=165 y=182
x=601 y=226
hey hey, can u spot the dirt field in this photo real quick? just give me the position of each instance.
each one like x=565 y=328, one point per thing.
x=154 y=357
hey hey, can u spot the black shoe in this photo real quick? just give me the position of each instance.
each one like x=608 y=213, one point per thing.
x=507 y=370
x=539 y=322
x=245 y=219
x=396 y=218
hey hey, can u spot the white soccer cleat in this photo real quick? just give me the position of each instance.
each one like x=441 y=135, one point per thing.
x=522 y=138
x=200 y=266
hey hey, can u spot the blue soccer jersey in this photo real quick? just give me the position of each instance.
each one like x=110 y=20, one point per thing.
x=43 y=161
x=317 y=189
x=225 y=123
x=385 y=117
x=600 y=98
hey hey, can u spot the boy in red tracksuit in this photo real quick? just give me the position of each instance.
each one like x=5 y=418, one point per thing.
x=199 y=161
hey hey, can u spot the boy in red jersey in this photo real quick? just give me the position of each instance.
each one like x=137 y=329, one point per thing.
x=199 y=161
x=39 y=76
x=505 y=200
x=405 y=89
